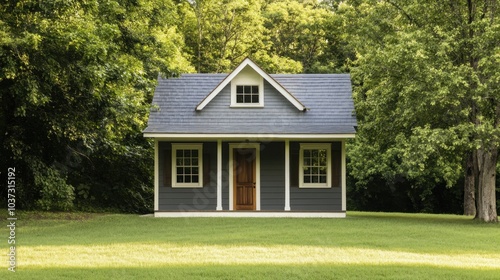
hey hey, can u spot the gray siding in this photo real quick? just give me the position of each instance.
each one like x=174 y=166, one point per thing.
x=188 y=199
x=304 y=199
x=272 y=176
x=316 y=199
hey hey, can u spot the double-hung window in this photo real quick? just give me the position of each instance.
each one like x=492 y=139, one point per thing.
x=315 y=165
x=187 y=165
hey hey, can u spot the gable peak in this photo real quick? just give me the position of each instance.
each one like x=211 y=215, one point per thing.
x=245 y=66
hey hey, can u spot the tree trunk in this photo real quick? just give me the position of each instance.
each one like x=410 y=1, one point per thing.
x=470 y=185
x=486 y=199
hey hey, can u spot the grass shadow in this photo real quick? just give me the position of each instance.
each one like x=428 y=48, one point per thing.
x=333 y=271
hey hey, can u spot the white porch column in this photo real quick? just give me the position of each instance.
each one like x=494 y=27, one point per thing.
x=156 y=176
x=219 y=175
x=344 y=174
x=287 y=175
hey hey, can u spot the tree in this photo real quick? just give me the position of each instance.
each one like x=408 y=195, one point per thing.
x=427 y=92
x=221 y=33
x=76 y=83
x=296 y=30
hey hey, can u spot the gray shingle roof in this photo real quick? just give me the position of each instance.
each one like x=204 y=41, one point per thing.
x=327 y=96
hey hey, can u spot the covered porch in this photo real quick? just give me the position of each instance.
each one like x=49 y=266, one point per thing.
x=249 y=176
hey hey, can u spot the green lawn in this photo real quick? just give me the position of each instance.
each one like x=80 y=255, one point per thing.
x=362 y=246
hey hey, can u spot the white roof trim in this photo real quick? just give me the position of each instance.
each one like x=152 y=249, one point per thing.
x=262 y=137
x=263 y=74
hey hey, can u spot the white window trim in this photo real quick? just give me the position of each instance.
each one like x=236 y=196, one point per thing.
x=176 y=147
x=260 y=84
x=328 y=147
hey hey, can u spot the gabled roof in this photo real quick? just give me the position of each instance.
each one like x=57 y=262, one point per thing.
x=328 y=98
x=263 y=74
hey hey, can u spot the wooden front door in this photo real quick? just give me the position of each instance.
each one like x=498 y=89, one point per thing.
x=244 y=179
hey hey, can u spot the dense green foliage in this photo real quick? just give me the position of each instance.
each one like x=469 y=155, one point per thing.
x=426 y=94
x=76 y=82
x=77 y=77
x=384 y=246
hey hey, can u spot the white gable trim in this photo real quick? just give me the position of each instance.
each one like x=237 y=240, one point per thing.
x=263 y=74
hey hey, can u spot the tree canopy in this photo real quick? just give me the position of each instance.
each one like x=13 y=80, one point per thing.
x=77 y=77
x=426 y=93
x=76 y=82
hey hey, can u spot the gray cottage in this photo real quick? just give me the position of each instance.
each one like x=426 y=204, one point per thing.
x=251 y=144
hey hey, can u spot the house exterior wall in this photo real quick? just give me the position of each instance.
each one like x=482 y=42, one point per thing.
x=272 y=175
x=187 y=199
x=315 y=199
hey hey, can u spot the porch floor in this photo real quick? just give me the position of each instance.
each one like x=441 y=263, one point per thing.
x=249 y=214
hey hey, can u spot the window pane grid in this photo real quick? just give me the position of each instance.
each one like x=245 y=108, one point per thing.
x=247 y=94
x=187 y=166
x=315 y=166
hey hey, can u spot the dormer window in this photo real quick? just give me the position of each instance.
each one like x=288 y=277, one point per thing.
x=247 y=95
x=247 y=89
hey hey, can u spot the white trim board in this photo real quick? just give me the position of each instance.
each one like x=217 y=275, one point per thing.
x=156 y=176
x=253 y=137
x=344 y=177
x=250 y=214
x=219 y=175
x=287 y=175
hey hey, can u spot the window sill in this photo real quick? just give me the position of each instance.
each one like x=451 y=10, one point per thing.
x=318 y=186
x=247 y=106
x=187 y=186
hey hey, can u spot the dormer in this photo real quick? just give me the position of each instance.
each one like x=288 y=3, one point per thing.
x=247 y=88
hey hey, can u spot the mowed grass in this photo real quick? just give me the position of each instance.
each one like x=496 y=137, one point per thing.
x=361 y=246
